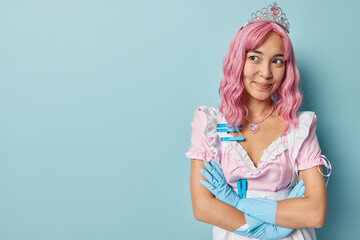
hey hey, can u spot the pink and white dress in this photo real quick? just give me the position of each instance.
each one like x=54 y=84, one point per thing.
x=277 y=171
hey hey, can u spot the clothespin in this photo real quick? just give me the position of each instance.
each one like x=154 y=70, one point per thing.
x=226 y=130
x=224 y=125
x=223 y=128
x=232 y=139
x=242 y=186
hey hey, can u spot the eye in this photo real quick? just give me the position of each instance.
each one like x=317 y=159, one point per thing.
x=278 y=61
x=254 y=58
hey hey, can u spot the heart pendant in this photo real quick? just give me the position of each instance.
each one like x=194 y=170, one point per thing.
x=253 y=128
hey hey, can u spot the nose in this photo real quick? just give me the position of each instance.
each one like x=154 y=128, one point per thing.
x=265 y=70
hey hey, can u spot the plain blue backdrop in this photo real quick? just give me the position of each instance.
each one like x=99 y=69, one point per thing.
x=96 y=100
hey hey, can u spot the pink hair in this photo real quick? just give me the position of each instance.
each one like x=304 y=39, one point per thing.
x=287 y=97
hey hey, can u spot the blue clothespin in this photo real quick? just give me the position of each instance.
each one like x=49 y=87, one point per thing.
x=232 y=139
x=222 y=127
x=242 y=186
x=226 y=130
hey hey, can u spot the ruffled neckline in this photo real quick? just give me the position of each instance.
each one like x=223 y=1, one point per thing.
x=243 y=159
x=275 y=149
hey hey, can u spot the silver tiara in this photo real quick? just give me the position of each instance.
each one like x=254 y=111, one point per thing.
x=271 y=13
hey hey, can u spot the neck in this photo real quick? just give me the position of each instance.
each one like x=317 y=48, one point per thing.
x=257 y=108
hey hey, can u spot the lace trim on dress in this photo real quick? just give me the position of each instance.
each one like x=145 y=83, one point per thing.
x=304 y=123
x=212 y=116
x=296 y=137
x=275 y=149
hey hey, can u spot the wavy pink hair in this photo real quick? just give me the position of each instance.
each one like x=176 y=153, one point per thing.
x=287 y=97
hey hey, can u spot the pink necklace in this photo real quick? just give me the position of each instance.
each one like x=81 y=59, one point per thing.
x=254 y=127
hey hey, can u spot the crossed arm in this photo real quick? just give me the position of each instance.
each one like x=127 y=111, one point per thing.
x=308 y=211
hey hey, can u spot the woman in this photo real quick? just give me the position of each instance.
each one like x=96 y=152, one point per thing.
x=259 y=91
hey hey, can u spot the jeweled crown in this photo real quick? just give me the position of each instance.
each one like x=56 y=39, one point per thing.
x=271 y=13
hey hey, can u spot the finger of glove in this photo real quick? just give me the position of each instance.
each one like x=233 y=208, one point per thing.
x=209 y=177
x=218 y=169
x=210 y=187
x=296 y=189
x=298 y=186
x=213 y=172
x=301 y=192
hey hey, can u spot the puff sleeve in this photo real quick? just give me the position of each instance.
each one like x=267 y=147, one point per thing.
x=310 y=153
x=200 y=143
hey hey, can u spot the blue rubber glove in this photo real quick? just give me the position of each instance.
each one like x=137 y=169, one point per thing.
x=265 y=209
x=264 y=230
x=260 y=208
x=218 y=185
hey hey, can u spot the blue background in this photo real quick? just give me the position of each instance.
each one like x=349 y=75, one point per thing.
x=96 y=100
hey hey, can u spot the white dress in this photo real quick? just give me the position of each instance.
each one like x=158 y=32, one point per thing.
x=277 y=171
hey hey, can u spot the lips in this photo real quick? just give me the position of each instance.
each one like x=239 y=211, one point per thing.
x=263 y=86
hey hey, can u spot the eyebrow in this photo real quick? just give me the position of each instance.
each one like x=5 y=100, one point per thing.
x=258 y=52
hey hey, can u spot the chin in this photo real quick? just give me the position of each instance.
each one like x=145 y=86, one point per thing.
x=261 y=97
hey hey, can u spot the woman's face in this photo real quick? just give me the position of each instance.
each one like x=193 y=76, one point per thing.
x=264 y=67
